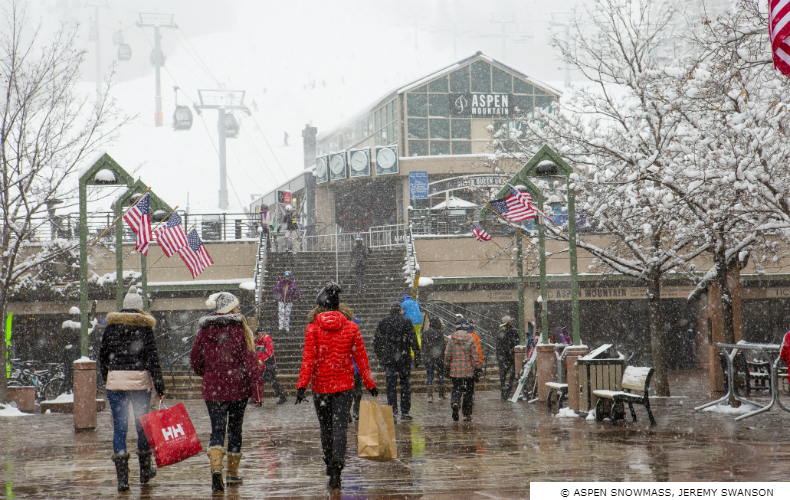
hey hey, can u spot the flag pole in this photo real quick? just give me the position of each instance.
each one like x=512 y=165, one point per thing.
x=119 y=218
x=492 y=238
x=160 y=257
x=509 y=224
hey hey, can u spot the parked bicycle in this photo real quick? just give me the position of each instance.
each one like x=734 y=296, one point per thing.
x=48 y=382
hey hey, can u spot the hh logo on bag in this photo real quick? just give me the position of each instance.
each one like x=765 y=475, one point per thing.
x=173 y=432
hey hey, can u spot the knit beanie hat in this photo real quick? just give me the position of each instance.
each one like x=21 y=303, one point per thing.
x=461 y=323
x=329 y=298
x=133 y=300
x=222 y=302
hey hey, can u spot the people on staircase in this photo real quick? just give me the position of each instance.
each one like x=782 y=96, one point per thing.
x=285 y=291
x=291 y=223
x=265 y=224
x=461 y=361
x=393 y=341
x=129 y=363
x=358 y=260
x=433 y=346
x=264 y=345
x=332 y=345
x=411 y=309
x=506 y=342
x=224 y=355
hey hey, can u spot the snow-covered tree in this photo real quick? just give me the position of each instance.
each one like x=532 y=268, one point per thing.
x=620 y=135
x=47 y=130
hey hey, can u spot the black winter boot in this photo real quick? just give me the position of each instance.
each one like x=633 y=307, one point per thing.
x=334 y=477
x=122 y=470
x=147 y=470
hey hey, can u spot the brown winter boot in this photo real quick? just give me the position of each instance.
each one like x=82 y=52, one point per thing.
x=430 y=393
x=232 y=477
x=441 y=392
x=215 y=454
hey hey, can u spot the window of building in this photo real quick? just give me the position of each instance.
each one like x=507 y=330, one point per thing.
x=459 y=81
x=440 y=148
x=438 y=85
x=481 y=77
x=523 y=104
x=501 y=81
x=461 y=129
x=521 y=87
x=543 y=102
x=440 y=129
x=462 y=147
x=438 y=105
x=418 y=148
x=418 y=128
x=417 y=104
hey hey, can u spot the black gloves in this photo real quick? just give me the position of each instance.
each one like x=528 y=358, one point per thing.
x=416 y=361
x=374 y=392
x=300 y=395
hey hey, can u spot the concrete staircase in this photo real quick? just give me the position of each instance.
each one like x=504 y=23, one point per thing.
x=311 y=270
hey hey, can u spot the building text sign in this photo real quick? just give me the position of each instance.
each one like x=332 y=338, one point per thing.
x=466 y=181
x=418 y=185
x=619 y=293
x=481 y=104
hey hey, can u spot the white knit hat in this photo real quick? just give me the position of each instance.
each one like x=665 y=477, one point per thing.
x=222 y=302
x=133 y=300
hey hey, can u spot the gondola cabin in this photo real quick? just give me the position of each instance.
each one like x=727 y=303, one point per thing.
x=124 y=52
x=182 y=118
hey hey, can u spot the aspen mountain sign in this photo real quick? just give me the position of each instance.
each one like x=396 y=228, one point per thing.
x=481 y=104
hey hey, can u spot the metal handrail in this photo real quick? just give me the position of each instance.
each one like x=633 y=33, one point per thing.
x=413 y=267
x=260 y=266
x=377 y=237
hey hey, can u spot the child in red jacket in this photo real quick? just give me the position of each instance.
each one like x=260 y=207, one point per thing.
x=264 y=346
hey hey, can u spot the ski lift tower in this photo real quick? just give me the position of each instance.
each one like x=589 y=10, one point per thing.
x=227 y=126
x=157 y=22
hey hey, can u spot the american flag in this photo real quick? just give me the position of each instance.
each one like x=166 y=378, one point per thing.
x=779 y=29
x=171 y=237
x=139 y=220
x=195 y=255
x=515 y=208
x=479 y=233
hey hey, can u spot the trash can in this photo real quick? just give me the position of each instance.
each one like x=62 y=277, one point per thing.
x=601 y=369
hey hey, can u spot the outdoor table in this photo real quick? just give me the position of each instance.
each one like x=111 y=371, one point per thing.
x=734 y=349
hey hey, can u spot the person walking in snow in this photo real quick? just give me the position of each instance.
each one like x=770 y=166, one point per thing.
x=265 y=224
x=358 y=261
x=332 y=345
x=224 y=355
x=129 y=364
x=433 y=346
x=461 y=361
x=285 y=291
x=411 y=309
x=264 y=345
x=392 y=342
x=291 y=224
x=506 y=341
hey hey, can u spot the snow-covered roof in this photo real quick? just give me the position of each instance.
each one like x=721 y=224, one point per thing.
x=454 y=202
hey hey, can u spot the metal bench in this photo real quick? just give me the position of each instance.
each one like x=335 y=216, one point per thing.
x=634 y=379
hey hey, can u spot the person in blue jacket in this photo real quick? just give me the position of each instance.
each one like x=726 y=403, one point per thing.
x=411 y=309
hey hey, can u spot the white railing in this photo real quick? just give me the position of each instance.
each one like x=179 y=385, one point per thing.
x=389 y=236
x=412 y=266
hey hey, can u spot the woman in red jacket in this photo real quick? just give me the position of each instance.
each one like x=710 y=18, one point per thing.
x=224 y=355
x=332 y=344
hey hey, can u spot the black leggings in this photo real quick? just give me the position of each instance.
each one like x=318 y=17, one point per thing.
x=332 y=410
x=228 y=414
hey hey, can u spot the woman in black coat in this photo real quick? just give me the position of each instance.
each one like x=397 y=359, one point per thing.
x=433 y=345
x=129 y=363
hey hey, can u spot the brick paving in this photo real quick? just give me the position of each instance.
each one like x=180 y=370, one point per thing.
x=497 y=455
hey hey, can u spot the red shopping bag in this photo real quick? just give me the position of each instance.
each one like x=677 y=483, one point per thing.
x=171 y=435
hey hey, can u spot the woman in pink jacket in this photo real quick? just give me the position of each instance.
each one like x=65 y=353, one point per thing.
x=332 y=344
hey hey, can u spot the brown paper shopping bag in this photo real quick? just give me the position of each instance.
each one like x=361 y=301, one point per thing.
x=376 y=434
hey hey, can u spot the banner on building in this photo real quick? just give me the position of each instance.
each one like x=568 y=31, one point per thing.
x=418 y=185
x=284 y=197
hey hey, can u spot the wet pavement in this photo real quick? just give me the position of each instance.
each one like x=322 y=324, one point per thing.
x=497 y=455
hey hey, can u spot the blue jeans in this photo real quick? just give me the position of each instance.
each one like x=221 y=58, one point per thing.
x=392 y=373
x=429 y=369
x=119 y=405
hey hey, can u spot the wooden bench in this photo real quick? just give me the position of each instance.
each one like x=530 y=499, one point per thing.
x=634 y=379
x=560 y=389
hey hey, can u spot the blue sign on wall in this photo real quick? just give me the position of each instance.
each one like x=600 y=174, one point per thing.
x=418 y=185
